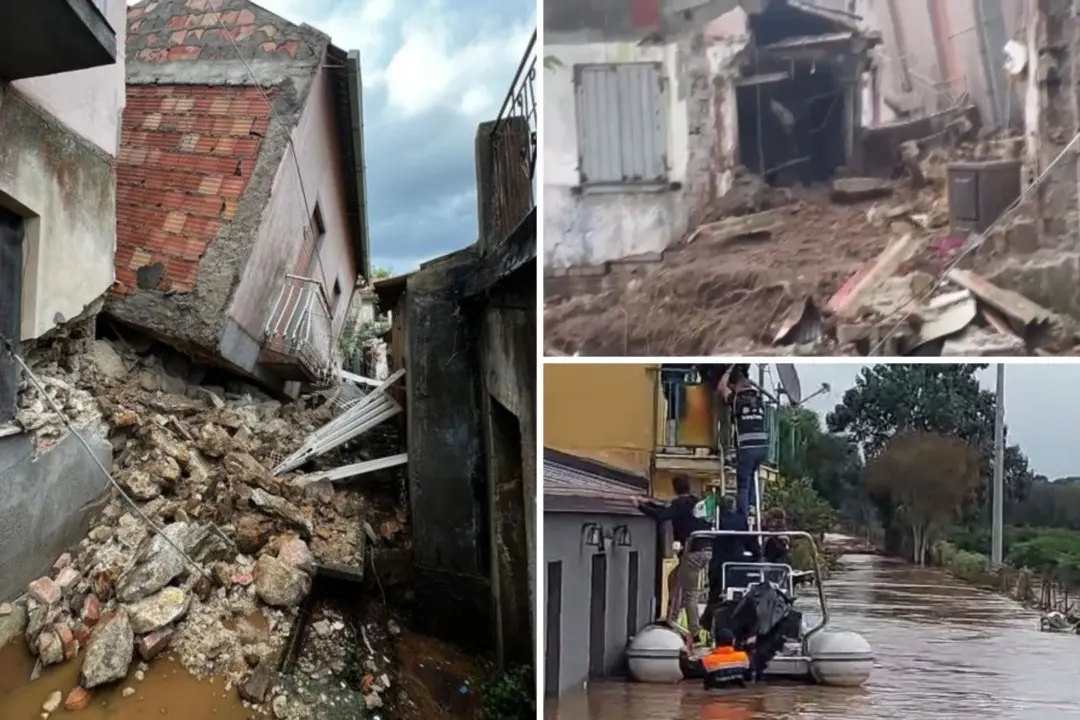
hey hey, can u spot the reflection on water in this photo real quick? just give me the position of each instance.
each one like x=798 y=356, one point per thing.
x=943 y=650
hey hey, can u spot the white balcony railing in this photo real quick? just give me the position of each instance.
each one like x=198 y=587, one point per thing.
x=301 y=327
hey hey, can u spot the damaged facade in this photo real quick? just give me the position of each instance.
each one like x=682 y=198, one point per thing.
x=464 y=328
x=777 y=87
x=242 y=222
x=60 y=108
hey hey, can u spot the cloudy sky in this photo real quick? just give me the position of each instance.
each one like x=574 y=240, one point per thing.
x=433 y=70
x=1041 y=406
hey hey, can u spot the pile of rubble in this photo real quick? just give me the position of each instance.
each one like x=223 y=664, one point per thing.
x=862 y=266
x=220 y=585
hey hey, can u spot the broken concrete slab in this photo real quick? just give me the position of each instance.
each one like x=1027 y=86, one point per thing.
x=852 y=297
x=983 y=342
x=733 y=228
x=1011 y=304
x=860 y=189
x=156 y=564
x=283 y=509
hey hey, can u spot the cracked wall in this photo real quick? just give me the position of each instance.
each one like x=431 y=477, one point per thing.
x=1048 y=271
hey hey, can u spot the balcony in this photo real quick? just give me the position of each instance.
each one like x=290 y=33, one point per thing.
x=46 y=37
x=690 y=422
x=298 y=340
x=513 y=151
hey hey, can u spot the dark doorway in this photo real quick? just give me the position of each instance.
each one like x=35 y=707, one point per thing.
x=598 y=616
x=506 y=477
x=792 y=101
x=12 y=234
x=553 y=629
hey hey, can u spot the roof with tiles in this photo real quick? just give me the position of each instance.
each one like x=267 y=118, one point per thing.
x=187 y=153
x=577 y=484
x=199 y=30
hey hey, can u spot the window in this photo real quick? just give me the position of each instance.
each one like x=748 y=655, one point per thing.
x=11 y=279
x=622 y=128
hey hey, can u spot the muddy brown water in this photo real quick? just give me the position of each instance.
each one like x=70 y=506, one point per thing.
x=943 y=649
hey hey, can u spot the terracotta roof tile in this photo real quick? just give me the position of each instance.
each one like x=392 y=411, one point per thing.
x=186 y=155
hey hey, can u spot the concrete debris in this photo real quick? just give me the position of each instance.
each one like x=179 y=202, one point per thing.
x=196 y=461
x=158 y=610
x=109 y=653
x=279 y=584
x=877 y=256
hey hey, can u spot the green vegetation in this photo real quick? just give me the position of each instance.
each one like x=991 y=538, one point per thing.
x=510 y=695
x=906 y=457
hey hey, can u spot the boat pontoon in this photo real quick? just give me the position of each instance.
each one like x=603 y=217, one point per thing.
x=759 y=602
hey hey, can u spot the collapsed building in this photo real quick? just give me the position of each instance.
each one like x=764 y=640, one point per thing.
x=777 y=87
x=922 y=229
x=186 y=450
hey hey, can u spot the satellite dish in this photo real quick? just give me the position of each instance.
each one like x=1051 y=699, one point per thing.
x=789 y=382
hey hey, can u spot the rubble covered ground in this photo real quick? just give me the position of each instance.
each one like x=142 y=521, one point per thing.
x=851 y=267
x=194 y=449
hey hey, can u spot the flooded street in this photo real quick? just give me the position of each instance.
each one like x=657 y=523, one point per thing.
x=942 y=649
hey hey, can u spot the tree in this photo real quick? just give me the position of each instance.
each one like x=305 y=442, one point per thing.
x=831 y=462
x=928 y=477
x=888 y=400
x=381 y=273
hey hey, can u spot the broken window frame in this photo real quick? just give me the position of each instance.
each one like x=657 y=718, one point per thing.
x=621 y=114
x=12 y=265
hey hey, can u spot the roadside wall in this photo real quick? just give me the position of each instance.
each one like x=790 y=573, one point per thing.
x=46 y=502
x=447 y=481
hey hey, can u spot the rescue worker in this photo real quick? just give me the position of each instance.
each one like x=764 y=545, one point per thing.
x=751 y=434
x=692 y=557
x=725 y=549
x=777 y=550
x=726 y=665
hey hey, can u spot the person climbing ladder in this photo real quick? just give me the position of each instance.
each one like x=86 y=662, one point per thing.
x=751 y=435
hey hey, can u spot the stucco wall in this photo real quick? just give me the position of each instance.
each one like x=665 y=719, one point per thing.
x=65 y=188
x=45 y=502
x=87 y=101
x=591 y=228
x=563 y=542
x=58 y=138
x=280 y=233
x=603 y=412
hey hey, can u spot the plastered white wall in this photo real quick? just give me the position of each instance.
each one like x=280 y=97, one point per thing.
x=592 y=228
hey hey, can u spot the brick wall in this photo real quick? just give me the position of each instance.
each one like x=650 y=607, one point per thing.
x=187 y=153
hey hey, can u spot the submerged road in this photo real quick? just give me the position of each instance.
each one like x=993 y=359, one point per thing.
x=943 y=650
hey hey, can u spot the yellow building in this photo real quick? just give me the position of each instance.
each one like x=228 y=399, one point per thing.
x=623 y=415
x=617 y=414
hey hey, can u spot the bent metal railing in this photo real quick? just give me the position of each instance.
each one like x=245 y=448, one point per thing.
x=513 y=143
x=301 y=327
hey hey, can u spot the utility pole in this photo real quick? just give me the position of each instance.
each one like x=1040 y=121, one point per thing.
x=999 y=471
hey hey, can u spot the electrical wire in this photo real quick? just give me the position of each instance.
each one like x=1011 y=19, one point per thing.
x=9 y=347
x=978 y=241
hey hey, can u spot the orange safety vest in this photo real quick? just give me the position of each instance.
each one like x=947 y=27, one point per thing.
x=726 y=658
